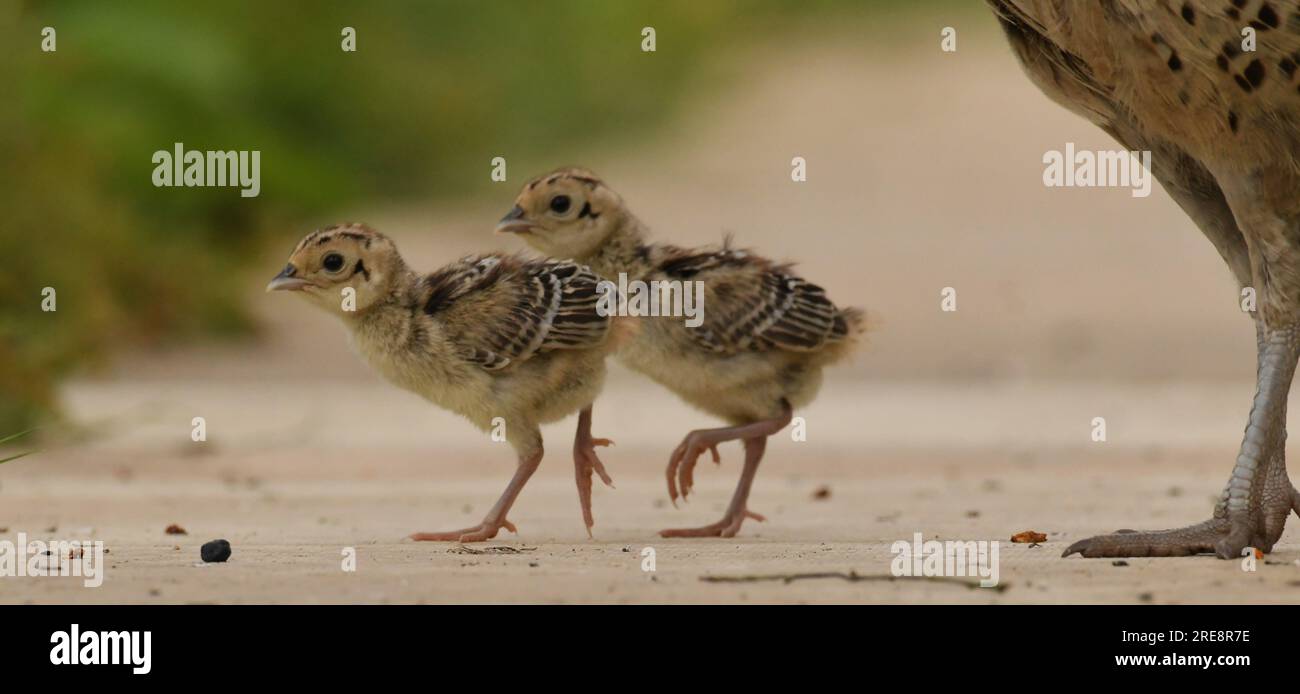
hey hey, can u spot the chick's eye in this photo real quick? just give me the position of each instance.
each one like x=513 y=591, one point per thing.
x=333 y=262
x=560 y=204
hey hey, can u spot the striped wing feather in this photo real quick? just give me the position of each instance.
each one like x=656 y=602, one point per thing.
x=502 y=310
x=754 y=304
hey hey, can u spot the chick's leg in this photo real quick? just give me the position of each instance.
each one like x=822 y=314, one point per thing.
x=496 y=517
x=1258 y=498
x=737 y=511
x=586 y=462
x=681 y=465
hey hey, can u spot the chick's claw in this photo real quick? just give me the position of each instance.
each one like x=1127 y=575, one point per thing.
x=681 y=466
x=727 y=527
x=479 y=533
x=585 y=464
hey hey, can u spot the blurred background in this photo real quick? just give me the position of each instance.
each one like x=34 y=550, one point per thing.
x=924 y=172
x=435 y=91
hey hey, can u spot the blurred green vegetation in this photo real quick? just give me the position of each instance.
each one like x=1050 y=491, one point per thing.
x=434 y=91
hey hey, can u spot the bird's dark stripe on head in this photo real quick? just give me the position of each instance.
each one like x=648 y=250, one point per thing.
x=306 y=240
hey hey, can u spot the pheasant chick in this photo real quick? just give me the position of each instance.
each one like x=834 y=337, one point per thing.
x=487 y=337
x=758 y=353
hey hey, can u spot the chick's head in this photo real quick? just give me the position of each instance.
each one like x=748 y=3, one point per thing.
x=567 y=213
x=329 y=262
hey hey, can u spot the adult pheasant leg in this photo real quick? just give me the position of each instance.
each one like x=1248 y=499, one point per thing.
x=586 y=462
x=496 y=517
x=1254 y=506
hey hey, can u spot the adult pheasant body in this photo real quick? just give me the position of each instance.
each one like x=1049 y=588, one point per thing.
x=1223 y=126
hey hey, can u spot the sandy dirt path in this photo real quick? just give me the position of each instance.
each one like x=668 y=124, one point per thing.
x=291 y=497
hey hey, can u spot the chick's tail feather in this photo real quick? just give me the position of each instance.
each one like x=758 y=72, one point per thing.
x=846 y=333
x=849 y=324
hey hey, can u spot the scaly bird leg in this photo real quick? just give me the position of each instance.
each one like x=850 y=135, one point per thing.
x=737 y=511
x=585 y=462
x=496 y=517
x=1258 y=498
x=682 y=464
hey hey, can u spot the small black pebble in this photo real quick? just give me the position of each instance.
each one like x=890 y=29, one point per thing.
x=1119 y=562
x=217 y=550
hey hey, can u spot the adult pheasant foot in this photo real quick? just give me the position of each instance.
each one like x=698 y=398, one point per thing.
x=1254 y=506
x=1180 y=542
x=1218 y=535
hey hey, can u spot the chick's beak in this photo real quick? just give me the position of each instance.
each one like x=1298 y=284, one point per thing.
x=286 y=280
x=514 y=222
